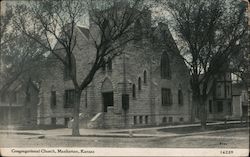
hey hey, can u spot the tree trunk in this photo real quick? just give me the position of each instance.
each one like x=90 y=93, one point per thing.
x=75 y=127
x=202 y=110
x=203 y=115
x=195 y=104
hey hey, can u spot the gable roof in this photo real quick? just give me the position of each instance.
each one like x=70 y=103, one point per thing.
x=85 y=31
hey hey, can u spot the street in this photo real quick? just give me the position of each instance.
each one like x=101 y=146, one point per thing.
x=225 y=139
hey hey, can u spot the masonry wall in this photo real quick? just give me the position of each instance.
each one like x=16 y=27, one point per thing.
x=144 y=109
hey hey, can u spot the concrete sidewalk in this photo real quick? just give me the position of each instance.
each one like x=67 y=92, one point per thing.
x=135 y=132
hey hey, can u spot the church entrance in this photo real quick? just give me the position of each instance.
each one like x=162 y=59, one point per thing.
x=108 y=100
x=107 y=94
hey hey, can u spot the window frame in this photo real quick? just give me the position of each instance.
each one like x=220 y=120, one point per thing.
x=69 y=98
x=166 y=97
x=53 y=99
x=165 y=66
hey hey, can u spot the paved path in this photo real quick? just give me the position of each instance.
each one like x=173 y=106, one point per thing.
x=66 y=132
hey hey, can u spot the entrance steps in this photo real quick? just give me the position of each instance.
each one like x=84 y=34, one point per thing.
x=96 y=121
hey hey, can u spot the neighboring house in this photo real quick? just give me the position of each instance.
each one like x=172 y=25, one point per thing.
x=240 y=100
x=219 y=104
x=147 y=85
x=18 y=106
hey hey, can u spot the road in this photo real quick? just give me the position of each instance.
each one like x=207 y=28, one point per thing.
x=227 y=139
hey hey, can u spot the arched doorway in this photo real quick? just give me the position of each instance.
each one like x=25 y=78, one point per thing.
x=107 y=94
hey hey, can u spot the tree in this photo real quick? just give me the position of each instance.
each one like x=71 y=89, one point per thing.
x=19 y=56
x=55 y=22
x=208 y=33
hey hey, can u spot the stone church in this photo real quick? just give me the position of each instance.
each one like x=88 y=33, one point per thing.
x=146 y=85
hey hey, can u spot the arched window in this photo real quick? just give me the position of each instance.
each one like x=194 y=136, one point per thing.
x=69 y=67
x=165 y=66
x=133 y=91
x=180 y=97
x=139 y=83
x=138 y=30
x=109 y=64
x=145 y=76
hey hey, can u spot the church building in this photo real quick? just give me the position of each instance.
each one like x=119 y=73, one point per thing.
x=147 y=85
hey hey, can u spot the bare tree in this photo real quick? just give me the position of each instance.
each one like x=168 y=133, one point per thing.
x=55 y=21
x=208 y=33
x=19 y=56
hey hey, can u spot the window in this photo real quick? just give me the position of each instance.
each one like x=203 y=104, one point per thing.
x=166 y=96
x=164 y=120
x=170 y=119
x=181 y=119
x=133 y=91
x=164 y=35
x=69 y=98
x=68 y=68
x=104 y=67
x=140 y=119
x=138 y=30
x=135 y=119
x=139 y=83
x=109 y=64
x=145 y=77
x=165 y=66
x=210 y=106
x=229 y=108
x=180 y=97
x=228 y=90
x=219 y=90
x=219 y=106
x=146 y=119
x=53 y=99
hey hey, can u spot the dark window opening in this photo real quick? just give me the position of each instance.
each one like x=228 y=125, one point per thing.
x=108 y=100
x=109 y=64
x=104 y=67
x=146 y=119
x=229 y=108
x=138 y=31
x=181 y=119
x=140 y=119
x=170 y=119
x=164 y=120
x=135 y=119
x=134 y=91
x=139 y=83
x=165 y=66
x=145 y=77
x=166 y=96
x=219 y=106
x=180 y=97
x=53 y=99
x=69 y=98
x=125 y=101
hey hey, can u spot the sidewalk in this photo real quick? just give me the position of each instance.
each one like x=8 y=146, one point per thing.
x=65 y=133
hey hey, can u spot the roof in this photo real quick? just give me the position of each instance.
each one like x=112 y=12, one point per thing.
x=85 y=31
